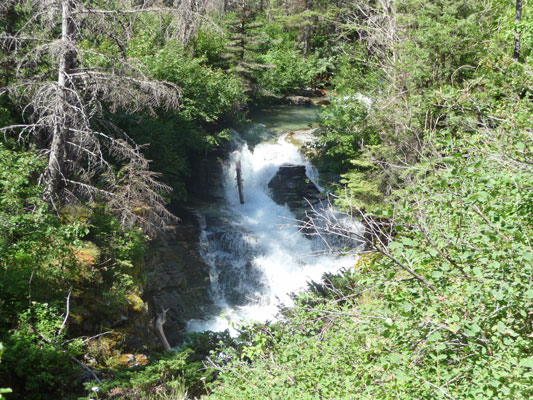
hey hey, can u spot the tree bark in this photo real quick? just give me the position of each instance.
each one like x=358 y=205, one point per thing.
x=517 y=19
x=61 y=129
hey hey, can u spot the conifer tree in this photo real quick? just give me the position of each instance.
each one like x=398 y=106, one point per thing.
x=64 y=97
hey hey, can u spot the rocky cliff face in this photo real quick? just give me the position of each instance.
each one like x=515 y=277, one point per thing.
x=177 y=279
x=206 y=180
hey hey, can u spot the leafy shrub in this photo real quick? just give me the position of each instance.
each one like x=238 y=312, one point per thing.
x=344 y=130
x=35 y=358
x=179 y=371
x=289 y=70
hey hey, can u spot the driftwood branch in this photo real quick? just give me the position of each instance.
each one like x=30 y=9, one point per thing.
x=239 y=178
x=159 y=322
x=66 y=314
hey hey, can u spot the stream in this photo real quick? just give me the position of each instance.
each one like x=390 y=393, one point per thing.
x=255 y=252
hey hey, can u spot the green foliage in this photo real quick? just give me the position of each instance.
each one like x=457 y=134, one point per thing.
x=174 y=371
x=291 y=70
x=444 y=39
x=107 y=289
x=3 y=390
x=207 y=93
x=344 y=130
x=43 y=257
x=36 y=265
x=35 y=247
x=286 y=67
x=351 y=74
x=457 y=148
x=5 y=117
x=34 y=354
x=209 y=45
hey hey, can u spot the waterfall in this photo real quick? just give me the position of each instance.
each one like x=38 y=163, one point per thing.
x=256 y=254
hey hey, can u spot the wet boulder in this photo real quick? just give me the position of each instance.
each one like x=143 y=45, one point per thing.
x=291 y=186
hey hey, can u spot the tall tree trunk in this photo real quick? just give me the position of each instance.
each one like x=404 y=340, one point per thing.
x=61 y=115
x=517 y=19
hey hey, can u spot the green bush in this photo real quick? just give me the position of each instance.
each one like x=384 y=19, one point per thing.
x=182 y=370
x=344 y=129
x=289 y=71
x=36 y=358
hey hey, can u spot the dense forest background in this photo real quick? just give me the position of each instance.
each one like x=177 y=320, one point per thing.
x=430 y=128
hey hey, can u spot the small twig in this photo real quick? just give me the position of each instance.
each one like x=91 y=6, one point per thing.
x=85 y=367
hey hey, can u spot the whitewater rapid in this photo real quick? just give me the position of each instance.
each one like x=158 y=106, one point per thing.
x=256 y=254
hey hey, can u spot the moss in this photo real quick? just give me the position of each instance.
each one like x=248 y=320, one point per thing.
x=129 y=360
x=135 y=303
x=88 y=255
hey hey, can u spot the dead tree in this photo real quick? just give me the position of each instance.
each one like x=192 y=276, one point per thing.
x=239 y=178
x=64 y=113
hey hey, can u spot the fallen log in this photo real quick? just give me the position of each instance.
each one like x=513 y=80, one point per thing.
x=239 y=178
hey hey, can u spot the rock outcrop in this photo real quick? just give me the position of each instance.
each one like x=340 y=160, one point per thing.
x=205 y=182
x=291 y=186
x=177 y=279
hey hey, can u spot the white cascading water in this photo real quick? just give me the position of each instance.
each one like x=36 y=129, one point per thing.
x=256 y=255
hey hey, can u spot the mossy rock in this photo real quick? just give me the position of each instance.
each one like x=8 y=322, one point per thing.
x=135 y=303
x=128 y=360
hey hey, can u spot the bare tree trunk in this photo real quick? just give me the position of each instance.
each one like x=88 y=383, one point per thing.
x=517 y=19
x=307 y=28
x=60 y=131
